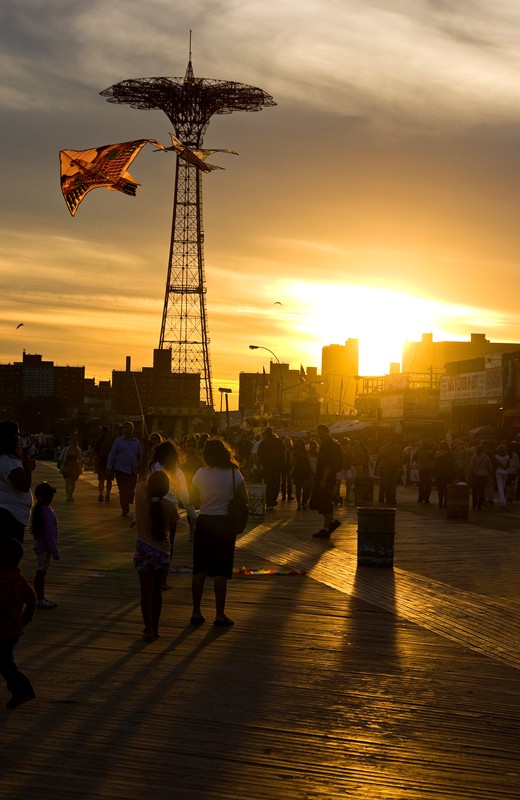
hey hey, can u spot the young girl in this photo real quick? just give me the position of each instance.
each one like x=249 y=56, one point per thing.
x=155 y=516
x=166 y=456
x=44 y=526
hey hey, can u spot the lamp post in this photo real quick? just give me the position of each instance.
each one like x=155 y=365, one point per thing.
x=226 y=392
x=261 y=347
x=279 y=382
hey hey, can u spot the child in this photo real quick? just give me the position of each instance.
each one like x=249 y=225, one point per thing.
x=155 y=517
x=44 y=528
x=17 y=606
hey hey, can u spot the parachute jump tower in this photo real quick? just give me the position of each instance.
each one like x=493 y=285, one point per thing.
x=189 y=104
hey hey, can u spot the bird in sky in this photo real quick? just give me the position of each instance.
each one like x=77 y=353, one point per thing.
x=20 y=324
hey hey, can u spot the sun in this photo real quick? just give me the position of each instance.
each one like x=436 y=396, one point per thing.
x=382 y=320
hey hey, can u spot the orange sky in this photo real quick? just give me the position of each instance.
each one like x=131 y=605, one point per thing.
x=378 y=200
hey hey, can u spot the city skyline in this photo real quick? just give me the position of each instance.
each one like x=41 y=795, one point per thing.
x=376 y=201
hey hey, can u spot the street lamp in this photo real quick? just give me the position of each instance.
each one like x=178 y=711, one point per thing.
x=279 y=381
x=261 y=347
x=224 y=391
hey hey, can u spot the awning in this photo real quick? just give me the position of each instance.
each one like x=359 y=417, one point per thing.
x=347 y=426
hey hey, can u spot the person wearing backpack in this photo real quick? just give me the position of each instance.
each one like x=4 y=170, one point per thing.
x=330 y=462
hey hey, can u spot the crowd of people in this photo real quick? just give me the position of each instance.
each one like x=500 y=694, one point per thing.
x=201 y=475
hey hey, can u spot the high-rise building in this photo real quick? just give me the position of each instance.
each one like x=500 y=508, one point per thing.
x=339 y=369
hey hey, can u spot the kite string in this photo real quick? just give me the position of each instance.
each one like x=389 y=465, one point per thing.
x=101 y=236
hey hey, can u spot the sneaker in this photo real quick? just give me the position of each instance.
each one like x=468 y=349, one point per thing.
x=47 y=603
x=333 y=525
x=323 y=534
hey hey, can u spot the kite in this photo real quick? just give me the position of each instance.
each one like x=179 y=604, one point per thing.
x=83 y=170
x=19 y=325
x=252 y=571
x=195 y=157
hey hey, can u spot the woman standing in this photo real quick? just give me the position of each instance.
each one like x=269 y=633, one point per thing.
x=479 y=471
x=212 y=488
x=15 y=483
x=155 y=516
x=71 y=466
x=501 y=472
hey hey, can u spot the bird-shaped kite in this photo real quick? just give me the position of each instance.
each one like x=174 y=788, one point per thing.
x=83 y=170
x=196 y=157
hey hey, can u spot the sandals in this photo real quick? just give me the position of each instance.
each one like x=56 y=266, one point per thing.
x=197 y=619
x=224 y=622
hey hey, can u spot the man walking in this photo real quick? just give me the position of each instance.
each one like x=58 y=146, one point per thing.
x=123 y=462
x=271 y=457
x=330 y=462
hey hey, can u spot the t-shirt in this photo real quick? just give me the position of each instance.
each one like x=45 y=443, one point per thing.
x=143 y=522
x=16 y=502
x=328 y=456
x=215 y=487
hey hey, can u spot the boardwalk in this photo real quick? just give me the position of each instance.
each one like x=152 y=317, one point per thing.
x=374 y=684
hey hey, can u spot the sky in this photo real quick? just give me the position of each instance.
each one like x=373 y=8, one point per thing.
x=377 y=200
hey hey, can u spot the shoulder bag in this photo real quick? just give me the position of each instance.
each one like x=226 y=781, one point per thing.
x=237 y=511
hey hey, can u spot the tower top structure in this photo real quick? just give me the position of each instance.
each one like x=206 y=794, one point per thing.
x=188 y=102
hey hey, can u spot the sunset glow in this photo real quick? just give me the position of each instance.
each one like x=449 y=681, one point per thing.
x=375 y=201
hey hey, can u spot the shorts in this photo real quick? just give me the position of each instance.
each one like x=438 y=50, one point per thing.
x=147 y=557
x=43 y=559
x=213 y=546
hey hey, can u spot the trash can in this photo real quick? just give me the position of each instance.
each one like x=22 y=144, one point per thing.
x=256 y=493
x=364 y=491
x=457 y=501
x=376 y=533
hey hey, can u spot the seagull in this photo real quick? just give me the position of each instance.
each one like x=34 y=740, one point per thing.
x=19 y=325
x=277 y=303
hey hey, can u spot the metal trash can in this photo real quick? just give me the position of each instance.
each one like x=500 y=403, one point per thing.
x=376 y=533
x=457 y=501
x=256 y=493
x=364 y=491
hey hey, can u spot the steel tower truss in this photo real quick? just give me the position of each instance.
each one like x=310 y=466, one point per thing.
x=189 y=104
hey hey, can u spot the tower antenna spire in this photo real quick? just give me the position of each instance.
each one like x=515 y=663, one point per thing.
x=189 y=59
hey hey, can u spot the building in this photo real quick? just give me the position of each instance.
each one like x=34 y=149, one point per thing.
x=406 y=404
x=428 y=355
x=34 y=378
x=264 y=395
x=340 y=373
x=169 y=400
x=482 y=392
